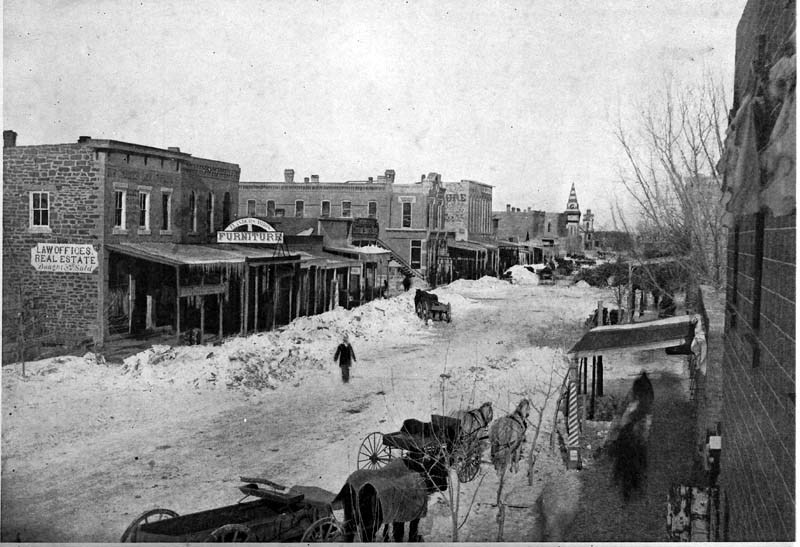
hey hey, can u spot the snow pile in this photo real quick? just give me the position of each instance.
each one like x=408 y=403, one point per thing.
x=582 y=284
x=482 y=284
x=521 y=275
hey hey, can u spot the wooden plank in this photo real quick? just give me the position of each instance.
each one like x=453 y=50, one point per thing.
x=201 y=290
x=261 y=480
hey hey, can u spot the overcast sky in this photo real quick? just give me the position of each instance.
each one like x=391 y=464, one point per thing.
x=520 y=95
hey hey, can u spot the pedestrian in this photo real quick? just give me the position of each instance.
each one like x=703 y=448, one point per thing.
x=345 y=355
x=407 y=282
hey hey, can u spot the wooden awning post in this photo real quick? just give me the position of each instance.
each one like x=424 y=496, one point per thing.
x=220 y=300
x=592 y=403
x=178 y=303
x=275 y=285
x=255 y=305
x=599 y=375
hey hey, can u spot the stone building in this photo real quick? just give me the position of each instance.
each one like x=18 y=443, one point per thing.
x=78 y=219
x=757 y=427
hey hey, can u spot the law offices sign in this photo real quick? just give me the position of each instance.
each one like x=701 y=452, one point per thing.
x=64 y=257
x=265 y=233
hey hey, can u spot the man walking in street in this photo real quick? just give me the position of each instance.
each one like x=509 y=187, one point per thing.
x=345 y=355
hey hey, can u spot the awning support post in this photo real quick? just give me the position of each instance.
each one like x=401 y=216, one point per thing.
x=592 y=400
x=599 y=375
x=220 y=301
x=178 y=303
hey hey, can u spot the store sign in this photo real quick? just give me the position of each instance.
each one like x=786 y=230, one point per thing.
x=64 y=257
x=264 y=234
x=365 y=229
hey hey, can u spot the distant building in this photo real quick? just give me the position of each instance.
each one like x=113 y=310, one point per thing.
x=757 y=462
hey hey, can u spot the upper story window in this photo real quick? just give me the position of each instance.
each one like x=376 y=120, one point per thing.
x=548 y=230
x=193 y=211
x=226 y=209
x=326 y=209
x=166 y=210
x=39 y=210
x=120 y=197
x=439 y=217
x=346 y=212
x=406 y=215
x=144 y=210
x=270 y=208
x=372 y=209
x=299 y=206
x=251 y=207
x=210 y=212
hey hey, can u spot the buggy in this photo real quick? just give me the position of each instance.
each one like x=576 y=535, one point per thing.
x=442 y=439
x=279 y=514
x=427 y=306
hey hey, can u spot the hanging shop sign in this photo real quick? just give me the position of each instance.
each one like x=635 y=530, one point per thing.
x=264 y=233
x=64 y=257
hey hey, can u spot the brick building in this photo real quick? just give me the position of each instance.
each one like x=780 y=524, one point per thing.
x=472 y=248
x=79 y=220
x=757 y=465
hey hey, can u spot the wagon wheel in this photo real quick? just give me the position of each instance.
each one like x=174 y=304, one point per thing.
x=373 y=454
x=467 y=461
x=230 y=533
x=153 y=515
x=324 y=530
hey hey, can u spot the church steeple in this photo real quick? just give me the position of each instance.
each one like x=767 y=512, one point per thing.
x=572 y=202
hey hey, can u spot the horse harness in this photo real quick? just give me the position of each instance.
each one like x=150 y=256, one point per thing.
x=523 y=423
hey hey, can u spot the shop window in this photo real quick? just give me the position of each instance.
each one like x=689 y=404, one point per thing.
x=119 y=208
x=372 y=209
x=210 y=212
x=326 y=209
x=346 y=212
x=406 y=215
x=270 y=208
x=251 y=207
x=40 y=209
x=416 y=253
x=299 y=206
x=144 y=211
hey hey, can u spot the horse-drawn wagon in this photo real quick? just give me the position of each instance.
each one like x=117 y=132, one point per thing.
x=427 y=306
x=279 y=514
x=456 y=441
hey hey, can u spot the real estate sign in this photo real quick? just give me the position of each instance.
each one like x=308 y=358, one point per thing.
x=64 y=257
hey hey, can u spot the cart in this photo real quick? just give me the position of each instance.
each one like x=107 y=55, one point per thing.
x=279 y=514
x=427 y=306
x=441 y=439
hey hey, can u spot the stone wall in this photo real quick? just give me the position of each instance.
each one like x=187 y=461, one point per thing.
x=51 y=307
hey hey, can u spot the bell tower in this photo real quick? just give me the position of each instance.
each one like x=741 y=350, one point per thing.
x=573 y=212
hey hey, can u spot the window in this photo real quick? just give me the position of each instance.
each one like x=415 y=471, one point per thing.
x=758 y=263
x=372 y=209
x=40 y=209
x=119 y=208
x=345 y=208
x=210 y=212
x=193 y=211
x=226 y=209
x=548 y=228
x=144 y=211
x=406 y=215
x=440 y=216
x=326 y=209
x=428 y=215
x=166 y=211
x=299 y=205
x=251 y=207
x=416 y=253
x=270 y=208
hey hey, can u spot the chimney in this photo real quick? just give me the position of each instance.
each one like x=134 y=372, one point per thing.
x=369 y=179
x=9 y=138
x=390 y=175
x=173 y=149
x=508 y=207
x=288 y=175
x=305 y=179
x=84 y=138
x=315 y=179
x=422 y=178
x=529 y=209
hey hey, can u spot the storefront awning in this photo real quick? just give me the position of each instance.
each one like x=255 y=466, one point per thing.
x=661 y=333
x=467 y=246
x=325 y=260
x=176 y=254
x=258 y=255
x=486 y=245
x=372 y=251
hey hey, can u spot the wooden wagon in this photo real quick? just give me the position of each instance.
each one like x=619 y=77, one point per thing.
x=427 y=306
x=279 y=514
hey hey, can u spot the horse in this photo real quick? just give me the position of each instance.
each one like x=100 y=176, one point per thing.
x=629 y=448
x=507 y=435
x=472 y=421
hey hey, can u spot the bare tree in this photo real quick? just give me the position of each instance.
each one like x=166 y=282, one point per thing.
x=672 y=148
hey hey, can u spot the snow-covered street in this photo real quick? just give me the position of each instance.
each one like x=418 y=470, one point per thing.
x=88 y=445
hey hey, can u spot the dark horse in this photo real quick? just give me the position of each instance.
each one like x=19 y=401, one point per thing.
x=364 y=515
x=629 y=449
